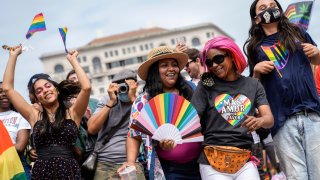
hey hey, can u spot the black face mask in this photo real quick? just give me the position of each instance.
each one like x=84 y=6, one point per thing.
x=270 y=15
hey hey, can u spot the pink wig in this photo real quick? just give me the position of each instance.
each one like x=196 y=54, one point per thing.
x=226 y=44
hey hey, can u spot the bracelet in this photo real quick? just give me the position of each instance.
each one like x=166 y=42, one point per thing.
x=113 y=105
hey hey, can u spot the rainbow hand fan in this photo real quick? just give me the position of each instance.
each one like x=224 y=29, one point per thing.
x=169 y=116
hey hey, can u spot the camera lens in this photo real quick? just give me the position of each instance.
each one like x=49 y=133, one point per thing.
x=123 y=88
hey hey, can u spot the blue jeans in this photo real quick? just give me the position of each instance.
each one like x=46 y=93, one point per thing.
x=297 y=145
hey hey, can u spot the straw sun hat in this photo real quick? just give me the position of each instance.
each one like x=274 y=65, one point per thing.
x=159 y=53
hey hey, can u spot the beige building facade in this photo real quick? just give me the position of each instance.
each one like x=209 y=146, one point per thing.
x=103 y=57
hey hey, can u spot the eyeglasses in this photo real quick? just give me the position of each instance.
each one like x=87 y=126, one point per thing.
x=218 y=59
x=192 y=60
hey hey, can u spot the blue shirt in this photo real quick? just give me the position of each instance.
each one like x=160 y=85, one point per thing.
x=295 y=90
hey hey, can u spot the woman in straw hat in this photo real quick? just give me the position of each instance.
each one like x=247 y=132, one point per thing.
x=226 y=103
x=162 y=75
x=55 y=128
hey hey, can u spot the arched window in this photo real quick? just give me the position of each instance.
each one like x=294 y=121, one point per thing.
x=195 y=42
x=96 y=64
x=58 y=68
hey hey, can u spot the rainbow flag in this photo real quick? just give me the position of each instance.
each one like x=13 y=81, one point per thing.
x=10 y=164
x=63 y=32
x=37 y=24
x=299 y=13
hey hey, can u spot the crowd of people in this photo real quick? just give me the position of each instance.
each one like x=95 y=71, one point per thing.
x=276 y=109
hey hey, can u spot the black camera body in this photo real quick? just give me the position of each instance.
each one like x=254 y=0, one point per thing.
x=123 y=88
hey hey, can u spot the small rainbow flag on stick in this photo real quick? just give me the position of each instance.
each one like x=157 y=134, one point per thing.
x=10 y=163
x=38 y=24
x=299 y=13
x=63 y=32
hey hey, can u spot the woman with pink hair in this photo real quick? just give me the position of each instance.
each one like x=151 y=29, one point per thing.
x=226 y=102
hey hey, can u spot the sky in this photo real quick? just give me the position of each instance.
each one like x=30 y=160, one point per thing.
x=87 y=20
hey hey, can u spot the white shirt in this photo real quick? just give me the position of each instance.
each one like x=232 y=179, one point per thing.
x=14 y=122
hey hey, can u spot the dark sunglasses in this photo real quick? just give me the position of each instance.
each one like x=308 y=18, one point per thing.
x=192 y=60
x=218 y=59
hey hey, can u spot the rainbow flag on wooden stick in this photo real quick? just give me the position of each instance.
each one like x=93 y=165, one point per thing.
x=37 y=24
x=63 y=32
x=299 y=13
x=10 y=164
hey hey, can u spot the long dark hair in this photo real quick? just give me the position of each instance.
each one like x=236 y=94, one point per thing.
x=66 y=90
x=289 y=34
x=154 y=85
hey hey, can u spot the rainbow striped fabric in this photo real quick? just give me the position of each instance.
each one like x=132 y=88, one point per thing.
x=299 y=13
x=10 y=164
x=63 y=32
x=37 y=24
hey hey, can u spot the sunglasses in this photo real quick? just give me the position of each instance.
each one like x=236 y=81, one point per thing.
x=192 y=60
x=218 y=59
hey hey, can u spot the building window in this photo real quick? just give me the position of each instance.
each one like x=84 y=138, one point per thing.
x=212 y=34
x=101 y=90
x=112 y=64
x=140 y=60
x=111 y=53
x=129 y=61
x=141 y=47
x=79 y=59
x=116 y=52
x=96 y=62
x=108 y=65
x=84 y=59
x=106 y=54
x=146 y=46
x=195 y=42
x=133 y=48
x=58 y=68
x=173 y=42
x=99 y=79
x=162 y=44
x=151 y=45
x=110 y=77
x=122 y=63
x=208 y=35
x=86 y=69
x=129 y=50
x=123 y=51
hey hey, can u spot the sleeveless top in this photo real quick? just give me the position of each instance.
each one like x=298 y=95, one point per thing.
x=54 y=147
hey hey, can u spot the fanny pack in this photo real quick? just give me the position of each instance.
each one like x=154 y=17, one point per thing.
x=227 y=159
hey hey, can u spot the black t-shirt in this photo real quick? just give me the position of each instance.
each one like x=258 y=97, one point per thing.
x=222 y=108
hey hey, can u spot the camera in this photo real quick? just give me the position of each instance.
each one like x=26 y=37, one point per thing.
x=123 y=88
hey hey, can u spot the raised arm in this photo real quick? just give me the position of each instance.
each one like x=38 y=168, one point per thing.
x=79 y=107
x=21 y=105
x=101 y=115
